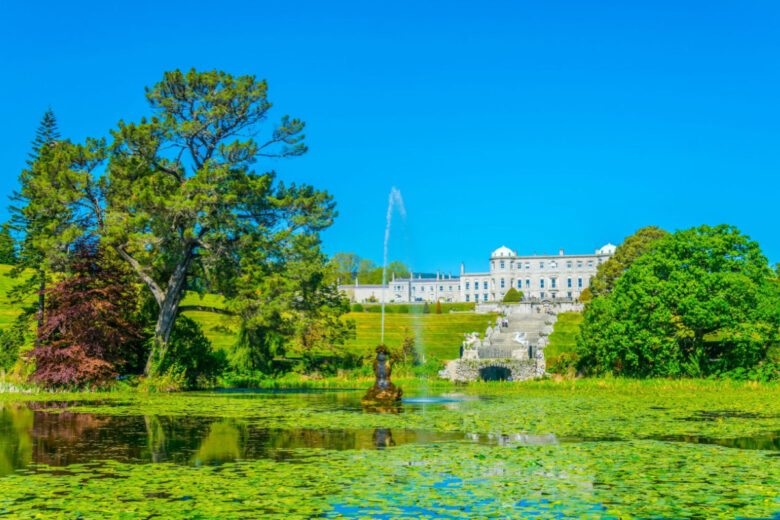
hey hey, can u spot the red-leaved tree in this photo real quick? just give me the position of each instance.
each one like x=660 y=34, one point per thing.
x=89 y=322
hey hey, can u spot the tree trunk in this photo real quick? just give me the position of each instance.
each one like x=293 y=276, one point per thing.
x=169 y=308
x=41 y=306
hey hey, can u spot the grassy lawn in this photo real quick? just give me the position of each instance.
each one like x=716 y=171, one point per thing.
x=563 y=338
x=8 y=311
x=440 y=335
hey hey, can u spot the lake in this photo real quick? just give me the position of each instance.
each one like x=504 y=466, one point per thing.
x=532 y=450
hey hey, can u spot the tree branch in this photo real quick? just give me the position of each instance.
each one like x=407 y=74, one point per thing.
x=204 y=308
x=157 y=292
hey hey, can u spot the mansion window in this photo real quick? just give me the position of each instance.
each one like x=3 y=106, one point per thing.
x=467 y=296
x=541 y=283
x=431 y=288
x=541 y=295
x=590 y=264
x=519 y=284
x=541 y=265
x=553 y=265
x=449 y=288
x=568 y=282
x=527 y=265
x=422 y=288
x=484 y=296
x=579 y=282
x=467 y=286
x=552 y=295
x=568 y=265
x=476 y=297
x=501 y=264
x=552 y=283
x=502 y=283
x=567 y=294
x=528 y=283
x=579 y=264
x=484 y=286
x=441 y=288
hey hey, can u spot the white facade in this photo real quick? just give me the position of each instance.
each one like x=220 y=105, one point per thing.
x=543 y=277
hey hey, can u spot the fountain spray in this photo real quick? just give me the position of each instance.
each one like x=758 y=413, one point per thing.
x=395 y=198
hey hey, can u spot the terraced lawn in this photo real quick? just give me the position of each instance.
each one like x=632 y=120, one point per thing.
x=564 y=336
x=439 y=335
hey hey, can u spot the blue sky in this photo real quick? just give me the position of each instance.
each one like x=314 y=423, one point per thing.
x=537 y=125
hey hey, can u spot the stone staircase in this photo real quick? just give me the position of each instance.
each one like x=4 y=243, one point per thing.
x=536 y=326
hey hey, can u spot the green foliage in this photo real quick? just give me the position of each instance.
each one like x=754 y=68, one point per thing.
x=513 y=296
x=625 y=254
x=7 y=246
x=356 y=307
x=563 y=363
x=181 y=203
x=700 y=302
x=11 y=340
x=438 y=307
x=586 y=295
x=426 y=309
x=190 y=362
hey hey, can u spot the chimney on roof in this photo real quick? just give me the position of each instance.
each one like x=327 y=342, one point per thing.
x=393 y=275
x=437 y=275
x=356 y=280
x=560 y=251
x=419 y=276
x=449 y=276
x=597 y=250
x=411 y=275
x=462 y=268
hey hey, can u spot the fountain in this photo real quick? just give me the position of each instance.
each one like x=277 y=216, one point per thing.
x=384 y=393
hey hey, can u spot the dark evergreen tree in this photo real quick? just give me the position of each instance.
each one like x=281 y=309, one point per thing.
x=29 y=218
x=7 y=246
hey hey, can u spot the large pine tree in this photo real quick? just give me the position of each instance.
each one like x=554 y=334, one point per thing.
x=29 y=218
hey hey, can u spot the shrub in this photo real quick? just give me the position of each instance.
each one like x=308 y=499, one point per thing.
x=190 y=359
x=402 y=309
x=438 y=307
x=513 y=296
x=426 y=309
x=11 y=339
x=356 y=307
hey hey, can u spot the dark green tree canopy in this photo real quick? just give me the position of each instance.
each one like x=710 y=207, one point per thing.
x=700 y=301
x=632 y=248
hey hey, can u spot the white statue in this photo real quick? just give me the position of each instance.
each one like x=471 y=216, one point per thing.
x=520 y=338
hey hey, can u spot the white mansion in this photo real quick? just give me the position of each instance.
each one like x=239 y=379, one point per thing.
x=544 y=277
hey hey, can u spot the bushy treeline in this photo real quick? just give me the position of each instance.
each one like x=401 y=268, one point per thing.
x=108 y=235
x=348 y=266
x=698 y=302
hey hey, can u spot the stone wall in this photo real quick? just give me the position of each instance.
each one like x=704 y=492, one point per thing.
x=469 y=369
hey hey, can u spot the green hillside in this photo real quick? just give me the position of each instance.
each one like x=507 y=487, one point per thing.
x=438 y=334
x=564 y=336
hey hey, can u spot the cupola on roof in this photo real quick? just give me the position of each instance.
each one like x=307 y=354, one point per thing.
x=608 y=249
x=502 y=251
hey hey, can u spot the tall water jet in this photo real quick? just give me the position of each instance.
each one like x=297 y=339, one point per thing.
x=394 y=198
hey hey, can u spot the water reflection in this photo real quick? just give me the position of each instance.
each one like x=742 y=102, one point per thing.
x=30 y=433
x=29 y=437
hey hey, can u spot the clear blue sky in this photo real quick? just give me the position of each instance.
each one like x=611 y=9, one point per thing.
x=537 y=125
